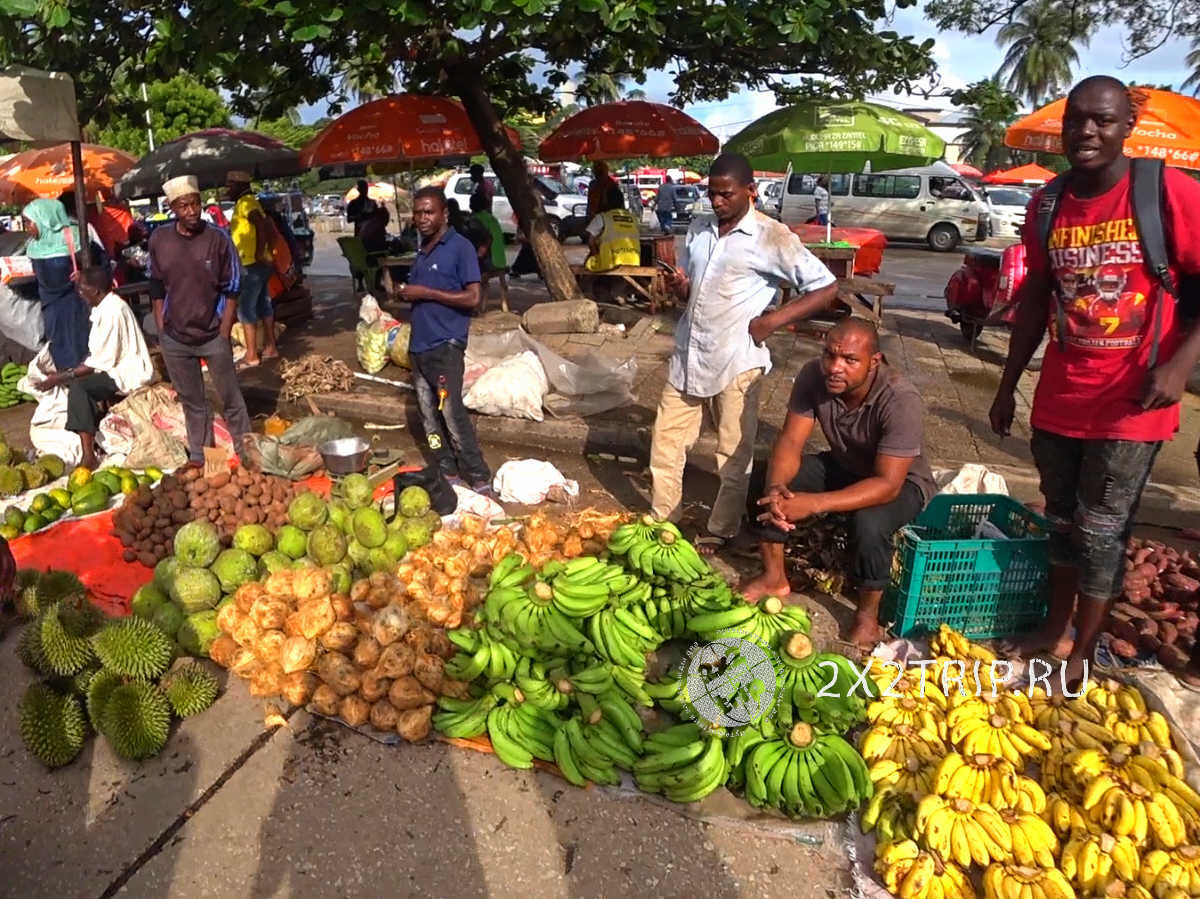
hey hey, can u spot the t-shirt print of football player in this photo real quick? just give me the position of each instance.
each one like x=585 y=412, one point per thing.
x=1106 y=316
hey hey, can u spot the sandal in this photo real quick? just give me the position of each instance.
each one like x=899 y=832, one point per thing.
x=708 y=545
x=244 y=365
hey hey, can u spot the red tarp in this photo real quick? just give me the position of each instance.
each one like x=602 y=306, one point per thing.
x=870 y=243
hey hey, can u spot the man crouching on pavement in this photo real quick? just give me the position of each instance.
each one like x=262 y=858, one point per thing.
x=870 y=415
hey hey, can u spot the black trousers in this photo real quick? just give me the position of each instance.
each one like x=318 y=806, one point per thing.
x=84 y=396
x=872 y=529
x=439 y=382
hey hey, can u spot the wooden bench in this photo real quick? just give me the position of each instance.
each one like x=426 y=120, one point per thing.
x=648 y=280
x=862 y=296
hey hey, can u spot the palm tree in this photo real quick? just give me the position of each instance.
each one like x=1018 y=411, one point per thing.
x=1041 y=40
x=636 y=94
x=594 y=88
x=989 y=110
x=1193 y=62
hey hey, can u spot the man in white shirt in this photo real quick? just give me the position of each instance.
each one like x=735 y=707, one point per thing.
x=117 y=363
x=821 y=200
x=731 y=266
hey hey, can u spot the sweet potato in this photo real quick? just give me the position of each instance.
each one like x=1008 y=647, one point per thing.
x=1167 y=632
x=1122 y=629
x=1130 y=611
x=1149 y=642
x=1172 y=657
x=1123 y=649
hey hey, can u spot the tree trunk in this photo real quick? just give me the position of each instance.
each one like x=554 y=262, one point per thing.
x=509 y=165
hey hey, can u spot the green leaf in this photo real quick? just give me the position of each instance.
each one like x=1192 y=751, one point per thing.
x=285 y=8
x=334 y=15
x=19 y=8
x=59 y=17
x=309 y=32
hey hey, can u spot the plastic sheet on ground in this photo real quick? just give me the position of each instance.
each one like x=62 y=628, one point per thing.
x=48 y=426
x=527 y=481
x=591 y=384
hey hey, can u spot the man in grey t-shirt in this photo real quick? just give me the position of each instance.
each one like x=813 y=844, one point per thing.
x=874 y=468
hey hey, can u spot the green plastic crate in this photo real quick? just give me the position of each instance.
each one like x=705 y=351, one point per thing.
x=986 y=588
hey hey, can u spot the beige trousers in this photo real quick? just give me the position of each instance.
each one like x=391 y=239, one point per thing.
x=675 y=431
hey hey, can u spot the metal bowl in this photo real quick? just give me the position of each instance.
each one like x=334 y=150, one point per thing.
x=346 y=455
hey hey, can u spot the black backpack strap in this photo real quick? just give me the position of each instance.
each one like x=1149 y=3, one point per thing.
x=1146 y=187
x=1047 y=211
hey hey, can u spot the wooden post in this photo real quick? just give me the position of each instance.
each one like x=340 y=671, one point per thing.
x=81 y=201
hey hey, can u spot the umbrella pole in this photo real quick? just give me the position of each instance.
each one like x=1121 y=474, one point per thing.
x=80 y=201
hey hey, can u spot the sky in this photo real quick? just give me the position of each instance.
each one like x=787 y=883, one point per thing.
x=961 y=60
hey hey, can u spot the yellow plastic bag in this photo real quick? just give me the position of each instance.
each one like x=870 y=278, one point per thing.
x=398 y=345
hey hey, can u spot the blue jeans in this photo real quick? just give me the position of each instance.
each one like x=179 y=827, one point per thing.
x=438 y=379
x=254 y=301
x=822 y=218
x=665 y=219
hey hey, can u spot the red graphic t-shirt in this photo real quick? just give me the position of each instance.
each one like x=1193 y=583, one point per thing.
x=1091 y=387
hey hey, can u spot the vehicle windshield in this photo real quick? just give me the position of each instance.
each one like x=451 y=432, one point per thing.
x=1009 y=196
x=553 y=185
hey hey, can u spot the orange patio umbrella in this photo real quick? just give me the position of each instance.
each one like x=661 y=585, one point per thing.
x=625 y=130
x=1022 y=174
x=1168 y=128
x=48 y=172
x=402 y=128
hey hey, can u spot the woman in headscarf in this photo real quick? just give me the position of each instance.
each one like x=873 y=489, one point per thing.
x=55 y=241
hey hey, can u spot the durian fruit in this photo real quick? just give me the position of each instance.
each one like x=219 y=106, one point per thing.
x=65 y=629
x=190 y=689
x=81 y=681
x=133 y=647
x=29 y=648
x=32 y=475
x=25 y=590
x=100 y=687
x=136 y=719
x=52 y=725
x=12 y=481
x=41 y=588
x=53 y=465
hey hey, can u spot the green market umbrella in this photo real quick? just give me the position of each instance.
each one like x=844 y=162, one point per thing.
x=836 y=137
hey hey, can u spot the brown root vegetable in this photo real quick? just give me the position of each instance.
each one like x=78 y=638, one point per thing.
x=267 y=681
x=312 y=583
x=384 y=715
x=338 y=672
x=297 y=654
x=270 y=614
x=268 y=645
x=407 y=693
x=396 y=660
x=343 y=608
x=1147 y=570
x=222 y=649
x=1149 y=642
x=1172 y=657
x=299 y=686
x=315 y=617
x=366 y=652
x=414 y=724
x=354 y=710
x=390 y=625
x=1167 y=632
x=1124 y=649
x=341 y=637
x=419 y=638
x=325 y=700
x=228 y=617
x=1122 y=629
x=427 y=668
x=378 y=598
x=1146 y=627
x=359 y=591
x=457 y=689
x=374 y=686
x=1128 y=610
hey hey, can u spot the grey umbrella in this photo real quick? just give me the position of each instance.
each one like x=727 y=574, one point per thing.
x=209 y=155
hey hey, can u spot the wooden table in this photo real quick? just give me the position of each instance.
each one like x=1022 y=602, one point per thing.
x=387 y=263
x=648 y=280
x=839 y=260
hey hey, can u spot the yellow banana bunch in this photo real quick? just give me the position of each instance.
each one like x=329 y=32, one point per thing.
x=1134 y=727
x=1048 y=710
x=908 y=710
x=910 y=873
x=963 y=831
x=1092 y=861
x=1065 y=818
x=1056 y=776
x=1178 y=869
x=1121 y=889
x=899 y=743
x=1116 y=808
x=896 y=682
x=912 y=776
x=1169 y=758
x=949 y=642
x=1155 y=775
x=1001 y=881
x=1102 y=695
x=1084 y=734
x=999 y=735
x=1033 y=841
x=1030 y=796
x=980 y=778
x=962 y=678
x=1015 y=706
x=892 y=814
x=1167 y=827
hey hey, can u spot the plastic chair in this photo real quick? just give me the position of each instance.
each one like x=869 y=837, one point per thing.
x=363 y=269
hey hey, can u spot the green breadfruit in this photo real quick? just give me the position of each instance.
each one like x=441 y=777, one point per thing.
x=5 y=453
x=12 y=481
x=168 y=618
x=198 y=631
x=189 y=688
x=136 y=719
x=147 y=600
x=32 y=476
x=99 y=689
x=52 y=725
x=29 y=649
x=65 y=631
x=133 y=647
x=54 y=466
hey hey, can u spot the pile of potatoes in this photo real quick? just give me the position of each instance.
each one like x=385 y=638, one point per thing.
x=1157 y=613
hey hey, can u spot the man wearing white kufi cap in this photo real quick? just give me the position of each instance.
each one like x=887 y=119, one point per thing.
x=194 y=280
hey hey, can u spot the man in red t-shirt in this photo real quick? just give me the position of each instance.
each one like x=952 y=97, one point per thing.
x=1100 y=413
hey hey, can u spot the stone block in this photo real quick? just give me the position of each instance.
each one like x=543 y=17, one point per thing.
x=566 y=317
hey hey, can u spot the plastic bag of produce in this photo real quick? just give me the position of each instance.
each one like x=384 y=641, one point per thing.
x=514 y=387
x=370 y=345
x=398 y=345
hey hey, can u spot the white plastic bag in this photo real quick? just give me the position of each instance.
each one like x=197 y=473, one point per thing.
x=372 y=336
x=527 y=481
x=48 y=426
x=20 y=318
x=514 y=388
x=972 y=478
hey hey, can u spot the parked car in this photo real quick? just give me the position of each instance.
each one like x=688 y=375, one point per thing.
x=1008 y=209
x=930 y=203
x=559 y=202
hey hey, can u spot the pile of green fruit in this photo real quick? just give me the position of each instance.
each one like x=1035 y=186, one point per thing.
x=347 y=535
x=557 y=665
x=119 y=677
x=9 y=376
x=85 y=492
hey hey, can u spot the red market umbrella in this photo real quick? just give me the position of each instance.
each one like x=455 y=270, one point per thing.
x=403 y=128
x=1022 y=174
x=966 y=170
x=209 y=155
x=628 y=129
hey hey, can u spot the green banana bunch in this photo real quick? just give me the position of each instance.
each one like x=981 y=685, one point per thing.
x=530 y=618
x=532 y=680
x=519 y=730
x=632 y=682
x=640 y=530
x=589 y=678
x=686 y=772
x=807 y=688
x=511 y=571
x=463 y=718
x=739 y=745
x=578 y=760
x=666 y=613
x=806 y=774
x=669 y=556
x=892 y=814
x=623 y=637
x=480 y=655
x=761 y=623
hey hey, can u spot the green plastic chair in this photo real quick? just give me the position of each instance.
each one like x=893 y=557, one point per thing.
x=364 y=269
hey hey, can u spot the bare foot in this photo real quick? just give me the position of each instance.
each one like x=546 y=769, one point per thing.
x=865 y=634
x=708 y=545
x=1073 y=674
x=1039 y=645
x=756 y=588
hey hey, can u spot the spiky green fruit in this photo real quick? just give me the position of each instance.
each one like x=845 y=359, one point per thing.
x=38 y=589
x=189 y=688
x=65 y=644
x=136 y=719
x=99 y=689
x=52 y=725
x=29 y=649
x=25 y=590
x=133 y=647
x=81 y=681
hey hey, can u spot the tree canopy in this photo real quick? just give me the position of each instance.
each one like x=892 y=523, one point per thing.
x=177 y=107
x=990 y=109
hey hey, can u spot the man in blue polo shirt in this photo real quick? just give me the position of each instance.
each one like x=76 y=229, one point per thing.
x=443 y=288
